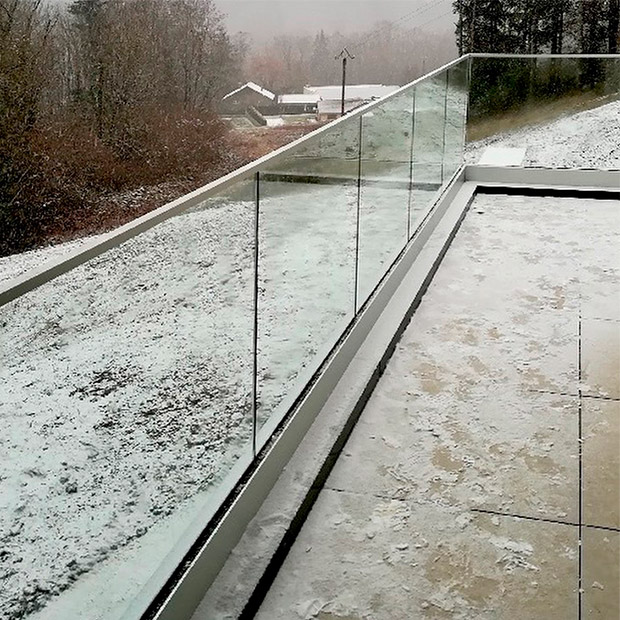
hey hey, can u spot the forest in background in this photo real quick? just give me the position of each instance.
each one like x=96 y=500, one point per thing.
x=538 y=27
x=102 y=97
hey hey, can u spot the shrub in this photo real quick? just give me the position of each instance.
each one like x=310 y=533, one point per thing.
x=51 y=186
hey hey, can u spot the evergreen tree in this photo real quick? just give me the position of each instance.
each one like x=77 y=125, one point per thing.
x=538 y=26
x=614 y=26
x=483 y=26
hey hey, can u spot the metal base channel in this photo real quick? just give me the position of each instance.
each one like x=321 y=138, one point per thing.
x=209 y=559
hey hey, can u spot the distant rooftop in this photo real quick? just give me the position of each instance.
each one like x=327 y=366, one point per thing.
x=334 y=106
x=301 y=98
x=252 y=86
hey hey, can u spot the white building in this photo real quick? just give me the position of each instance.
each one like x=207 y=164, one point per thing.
x=367 y=92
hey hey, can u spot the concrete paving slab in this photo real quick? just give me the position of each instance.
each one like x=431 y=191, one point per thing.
x=364 y=557
x=507 y=293
x=601 y=575
x=514 y=252
x=600 y=263
x=516 y=454
x=601 y=462
x=603 y=302
x=601 y=358
x=529 y=351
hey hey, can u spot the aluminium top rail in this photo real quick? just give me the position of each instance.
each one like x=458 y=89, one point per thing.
x=543 y=56
x=38 y=276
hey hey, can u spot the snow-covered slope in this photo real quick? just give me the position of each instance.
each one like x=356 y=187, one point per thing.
x=588 y=139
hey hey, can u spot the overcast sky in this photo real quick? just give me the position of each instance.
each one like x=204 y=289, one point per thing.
x=265 y=18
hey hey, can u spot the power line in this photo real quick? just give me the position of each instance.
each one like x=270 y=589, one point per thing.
x=404 y=18
x=399 y=22
x=430 y=21
x=425 y=8
x=389 y=25
x=416 y=27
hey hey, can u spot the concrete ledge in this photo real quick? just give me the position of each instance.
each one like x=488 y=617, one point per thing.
x=498 y=156
x=544 y=178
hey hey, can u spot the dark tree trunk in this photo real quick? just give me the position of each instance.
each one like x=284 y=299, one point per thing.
x=614 y=25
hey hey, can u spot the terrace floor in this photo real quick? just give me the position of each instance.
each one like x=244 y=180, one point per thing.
x=482 y=480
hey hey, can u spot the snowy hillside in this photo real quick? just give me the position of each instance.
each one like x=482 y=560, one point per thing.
x=588 y=139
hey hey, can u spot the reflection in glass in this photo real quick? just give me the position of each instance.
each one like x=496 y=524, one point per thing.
x=509 y=94
x=456 y=118
x=384 y=189
x=428 y=144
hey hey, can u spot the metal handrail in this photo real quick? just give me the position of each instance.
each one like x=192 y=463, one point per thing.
x=55 y=268
x=543 y=56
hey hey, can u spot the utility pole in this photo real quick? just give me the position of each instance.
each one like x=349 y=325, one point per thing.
x=345 y=55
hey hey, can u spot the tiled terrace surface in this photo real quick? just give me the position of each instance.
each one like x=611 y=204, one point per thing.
x=482 y=480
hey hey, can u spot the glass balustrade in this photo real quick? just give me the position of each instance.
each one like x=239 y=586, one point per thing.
x=126 y=403
x=385 y=186
x=456 y=118
x=428 y=145
x=138 y=387
x=306 y=265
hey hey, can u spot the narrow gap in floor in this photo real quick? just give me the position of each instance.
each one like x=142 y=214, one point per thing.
x=580 y=598
x=520 y=516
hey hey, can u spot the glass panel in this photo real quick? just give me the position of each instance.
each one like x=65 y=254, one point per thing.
x=456 y=117
x=308 y=210
x=126 y=404
x=428 y=145
x=524 y=103
x=384 y=191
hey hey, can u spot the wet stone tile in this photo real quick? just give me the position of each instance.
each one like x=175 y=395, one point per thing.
x=367 y=557
x=601 y=358
x=531 y=350
x=600 y=292
x=509 y=452
x=601 y=462
x=601 y=575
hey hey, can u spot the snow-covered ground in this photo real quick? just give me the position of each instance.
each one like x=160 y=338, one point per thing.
x=588 y=139
x=18 y=264
x=126 y=383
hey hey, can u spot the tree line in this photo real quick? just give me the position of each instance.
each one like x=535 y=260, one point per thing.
x=100 y=96
x=538 y=26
